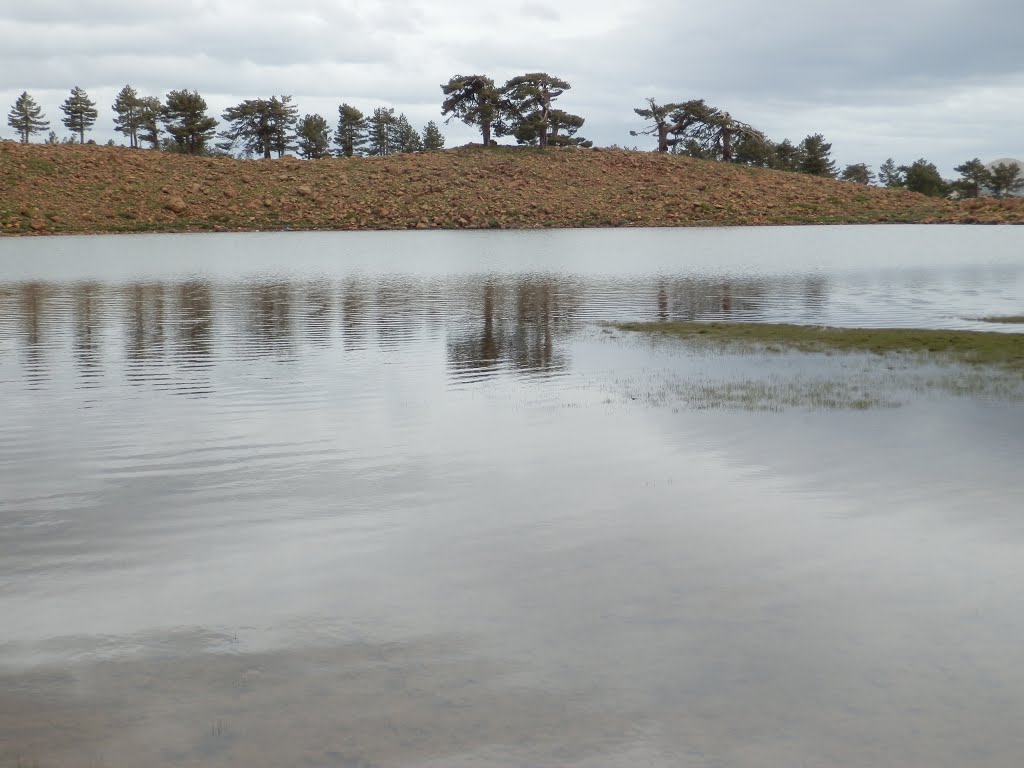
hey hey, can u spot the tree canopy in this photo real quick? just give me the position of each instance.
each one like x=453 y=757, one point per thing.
x=974 y=178
x=859 y=173
x=261 y=126
x=526 y=101
x=313 y=137
x=474 y=100
x=1006 y=179
x=350 y=138
x=26 y=117
x=79 y=113
x=433 y=139
x=184 y=116
x=126 y=114
x=922 y=176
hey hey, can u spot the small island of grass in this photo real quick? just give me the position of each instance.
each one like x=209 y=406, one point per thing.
x=1005 y=350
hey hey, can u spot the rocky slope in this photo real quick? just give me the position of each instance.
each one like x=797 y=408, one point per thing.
x=79 y=189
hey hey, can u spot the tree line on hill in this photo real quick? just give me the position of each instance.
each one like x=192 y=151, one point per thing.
x=523 y=108
x=263 y=127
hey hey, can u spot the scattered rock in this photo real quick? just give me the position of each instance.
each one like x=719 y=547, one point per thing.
x=37 y=225
x=304 y=190
x=230 y=193
x=176 y=205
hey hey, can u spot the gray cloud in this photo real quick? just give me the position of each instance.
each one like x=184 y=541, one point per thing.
x=904 y=78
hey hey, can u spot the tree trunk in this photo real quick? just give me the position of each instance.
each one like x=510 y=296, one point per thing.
x=663 y=138
x=81 y=133
x=485 y=129
x=727 y=145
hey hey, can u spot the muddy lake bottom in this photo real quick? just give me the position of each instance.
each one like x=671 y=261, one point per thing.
x=390 y=500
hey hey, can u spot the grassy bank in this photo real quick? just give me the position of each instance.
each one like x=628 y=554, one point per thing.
x=80 y=189
x=1004 y=350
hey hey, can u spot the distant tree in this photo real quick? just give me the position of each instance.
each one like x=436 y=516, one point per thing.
x=1006 y=179
x=350 y=138
x=381 y=132
x=314 y=137
x=527 y=101
x=665 y=119
x=284 y=118
x=432 y=137
x=149 y=112
x=698 y=129
x=126 y=111
x=889 y=175
x=26 y=117
x=922 y=176
x=79 y=113
x=817 y=157
x=260 y=126
x=787 y=156
x=405 y=138
x=754 y=152
x=974 y=178
x=859 y=173
x=184 y=116
x=52 y=138
x=473 y=99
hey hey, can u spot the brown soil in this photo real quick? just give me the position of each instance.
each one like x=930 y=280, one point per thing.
x=82 y=189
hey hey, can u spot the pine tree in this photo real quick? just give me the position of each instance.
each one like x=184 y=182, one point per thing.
x=974 y=177
x=817 y=160
x=26 y=117
x=859 y=173
x=474 y=100
x=922 y=176
x=381 y=132
x=260 y=125
x=1006 y=179
x=314 y=137
x=889 y=175
x=149 y=120
x=405 y=138
x=184 y=116
x=80 y=113
x=432 y=138
x=350 y=137
x=527 y=101
x=126 y=108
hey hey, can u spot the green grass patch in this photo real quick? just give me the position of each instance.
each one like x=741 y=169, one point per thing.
x=972 y=347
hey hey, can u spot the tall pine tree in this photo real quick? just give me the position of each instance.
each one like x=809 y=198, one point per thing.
x=127 y=114
x=381 y=132
x=432 y=138
x=350 y=138
x=314 y=138
x=26 y=117
x=816 y=159
x=184 y=116
x=79 y=113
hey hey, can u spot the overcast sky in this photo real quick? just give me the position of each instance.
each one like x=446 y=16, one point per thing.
x=940 y=79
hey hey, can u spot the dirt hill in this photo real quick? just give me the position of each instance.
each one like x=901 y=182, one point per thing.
x=78 y=189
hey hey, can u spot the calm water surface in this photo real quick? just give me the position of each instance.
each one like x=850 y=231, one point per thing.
x=398 y=499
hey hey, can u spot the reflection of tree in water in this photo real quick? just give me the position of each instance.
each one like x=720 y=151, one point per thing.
x=32 y=299
x=517 y=324
x=318 y=311
x=354 y=304
x=695 y=298
x=399 y=311
x=87 y=302
x=270 y=329
x=194 y=326
x=144 y=319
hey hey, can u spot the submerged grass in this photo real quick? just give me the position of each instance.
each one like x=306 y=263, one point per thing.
x=966 y=347
x=1003 y=319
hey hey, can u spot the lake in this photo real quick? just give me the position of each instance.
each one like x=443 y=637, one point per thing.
x=404 y=499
